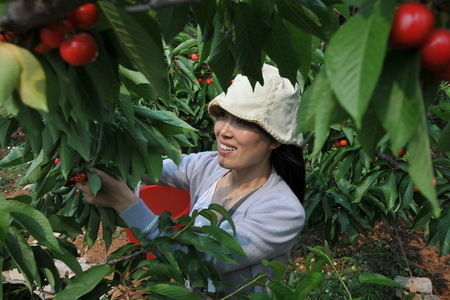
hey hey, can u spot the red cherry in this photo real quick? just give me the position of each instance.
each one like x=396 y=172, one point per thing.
x=81 y=49
x=84 y=17
x=80 y=177
x=209 y=80
x=401 y=152
x=200 y=80
x=411 y=25
x=56 y=160
x=53 y=34
x=337 y=143
x=42 y=48
x=194 y=56
x=343 y=142
x=8 y=37
x=435 y=51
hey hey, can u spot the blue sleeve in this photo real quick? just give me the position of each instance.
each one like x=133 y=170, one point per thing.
x=141 y=217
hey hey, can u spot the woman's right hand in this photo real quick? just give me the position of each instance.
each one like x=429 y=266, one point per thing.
x=114 y=192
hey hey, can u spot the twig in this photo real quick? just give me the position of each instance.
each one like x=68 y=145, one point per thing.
x=389 y=158
x=403 y=252
x=123 y=258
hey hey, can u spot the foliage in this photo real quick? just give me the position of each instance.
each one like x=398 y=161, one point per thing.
x=140 y=101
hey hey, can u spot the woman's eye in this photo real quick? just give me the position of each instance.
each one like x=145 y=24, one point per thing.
x=243 y=122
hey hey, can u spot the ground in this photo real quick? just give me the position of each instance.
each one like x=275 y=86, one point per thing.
x=380 y=251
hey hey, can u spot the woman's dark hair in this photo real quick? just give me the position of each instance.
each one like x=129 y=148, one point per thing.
x=289 y=163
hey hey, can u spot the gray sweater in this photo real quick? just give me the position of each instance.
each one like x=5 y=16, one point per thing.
x=267 y=223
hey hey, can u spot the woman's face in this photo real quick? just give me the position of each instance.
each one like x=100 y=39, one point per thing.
x=241 y=144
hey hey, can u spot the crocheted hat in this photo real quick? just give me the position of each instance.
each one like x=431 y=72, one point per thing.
x=273 y=106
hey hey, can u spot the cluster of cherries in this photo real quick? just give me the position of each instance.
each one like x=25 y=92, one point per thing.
x=7 y=37
x=340 y=143
x=413 y=27
x=209 y=80
x=75 y=48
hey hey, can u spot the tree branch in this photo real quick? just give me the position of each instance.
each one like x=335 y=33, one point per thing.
x=24 y=15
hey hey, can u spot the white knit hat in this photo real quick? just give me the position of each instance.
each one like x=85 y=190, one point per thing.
x=272 y=106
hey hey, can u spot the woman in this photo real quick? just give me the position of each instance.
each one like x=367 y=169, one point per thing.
x=257 y=174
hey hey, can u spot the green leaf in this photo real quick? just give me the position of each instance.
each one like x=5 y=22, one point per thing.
x=370 y=132
x=36 y=171
x=7 y=127
x=318 y=110
x=221 y=59
x=172 y=20
x=165 y=121
x=420 y=164
x=15 y=157
x=84 y=282
x=225 y=238
x=46 y=266
x=310 y=16
x=389 y=189
x=31 y=83
x=174 y=291
x=442 y=226
x=69 y=157
x=141 y=48
x=65 y=225
x=355 y=57
x=92 y=227
x=362 y=188
x=4 y=221
x=303 y=42
x=372 y=278
x=308 y=284
x=280 y=289
x=444 y=140
x=34 y=222
x=281 y=49
x=208 y=245
x=396 y=97
x=78 y=138
x=68 y=256
x=221 y=210
x=251 y=35
x=9 y=72
x=22 y=255
x=278 y=267
x=137 y=83
x=94 y=182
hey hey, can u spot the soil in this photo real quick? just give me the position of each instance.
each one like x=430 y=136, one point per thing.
x=381 y=249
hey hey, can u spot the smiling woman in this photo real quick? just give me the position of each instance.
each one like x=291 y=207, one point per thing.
x=257 y=174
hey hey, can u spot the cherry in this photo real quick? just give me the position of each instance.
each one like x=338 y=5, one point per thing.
x=411 y=25
x=209 y=81
x=53 y=34
x=401 y=152
x=194 y=56
x=7 y=37
x=56 y=160
x=435 y=51
x=337 y=143
x=84 y=17
x=42 y=48
x=80 y=177
x=343 y=142
x=81 y=49
x=200 y=80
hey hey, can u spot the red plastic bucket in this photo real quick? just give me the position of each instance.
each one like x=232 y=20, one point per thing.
x=162 y=198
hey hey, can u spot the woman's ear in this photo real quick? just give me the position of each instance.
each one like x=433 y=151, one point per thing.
x=275 y=144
